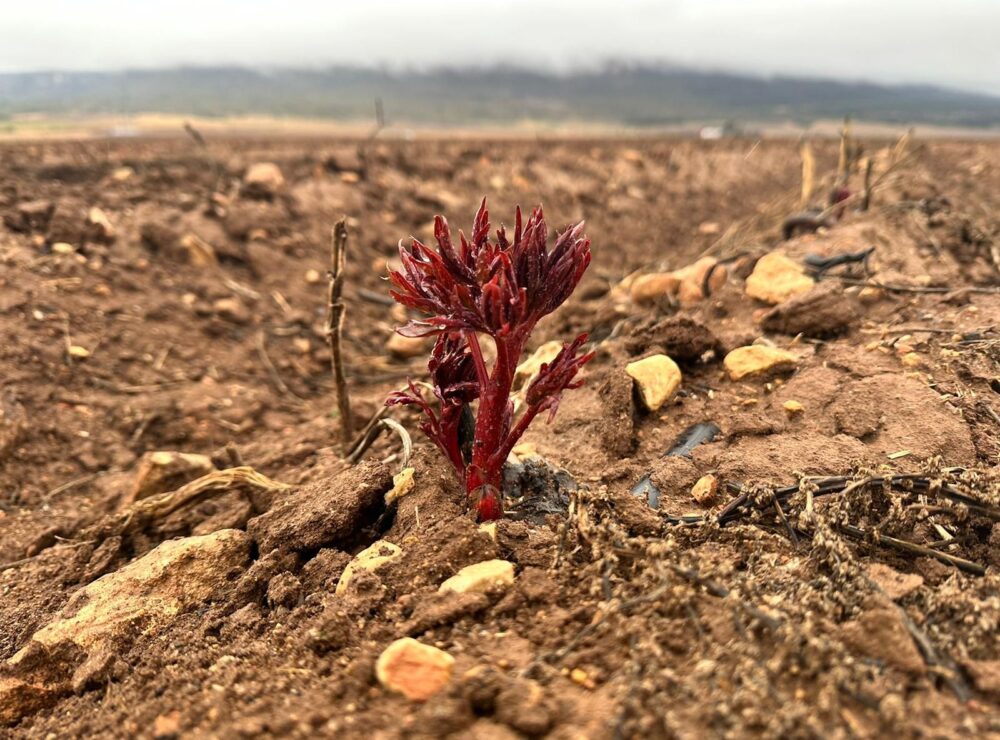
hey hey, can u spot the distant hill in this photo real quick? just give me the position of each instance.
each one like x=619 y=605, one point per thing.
x=623 y=94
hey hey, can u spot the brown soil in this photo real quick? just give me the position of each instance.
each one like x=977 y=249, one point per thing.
x=624 y=621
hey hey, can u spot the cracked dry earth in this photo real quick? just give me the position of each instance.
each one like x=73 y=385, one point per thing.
x=184 y=551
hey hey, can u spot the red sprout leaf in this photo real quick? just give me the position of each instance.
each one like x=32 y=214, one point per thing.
x=500 y=288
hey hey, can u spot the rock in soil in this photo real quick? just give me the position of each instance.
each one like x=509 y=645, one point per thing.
x=415 y=670
x=102 y=619
x=756 y=361
x=263 y=180
x=657 y=379
x=489 y=576
x=370 y=559
x=776 y=278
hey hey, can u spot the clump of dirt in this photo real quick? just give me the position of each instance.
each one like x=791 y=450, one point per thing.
x=822 y=564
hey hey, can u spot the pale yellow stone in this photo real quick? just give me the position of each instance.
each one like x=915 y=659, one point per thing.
x=489 y=575
x=525 y=449
x=705 y=489
x=407 y=347
x=793 y=408
x=776 y=278
x=757 y=360
x=655 y=287
x=264 y=177
x=199 y=252
x=370 y=559
x=413 y=669
x=100 y=224
x=870 y=294
x=657 y=379
x=313 y=276
x=580 y=676
x=402 y=484
x=489 y=529
x=531 y=366
x=63 y=248
x=78 y=352
x=911 y=359
x=122 y=174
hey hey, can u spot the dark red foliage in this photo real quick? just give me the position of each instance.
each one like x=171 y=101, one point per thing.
x=499 y=288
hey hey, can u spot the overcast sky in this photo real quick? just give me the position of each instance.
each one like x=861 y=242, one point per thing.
x=954 y=43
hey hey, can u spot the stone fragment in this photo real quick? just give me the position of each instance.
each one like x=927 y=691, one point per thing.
x=407 y=347
x=100 y=229
x=793 y=408
x=415 y=670
x=651 y=288
x=758 y=361
x=402 y=484
x=163 y=470
x=232 y=310
x=484 y=577
x=77 y=352
x=370 y=559
x=528 y=369
x=657 y=378
x=263 y=180
x=121 y=174
x=776 y=278
x=685 y=284
x=197 y=251
x=705 y=490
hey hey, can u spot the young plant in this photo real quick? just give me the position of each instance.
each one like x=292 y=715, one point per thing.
x=499 y=289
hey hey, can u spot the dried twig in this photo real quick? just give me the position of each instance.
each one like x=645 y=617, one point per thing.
x=145 y=511
x=892 y=288
x=404 y=436
x=272 y=371
x=367 y=435
x=961 y=563
x=866 y=194
x=335 y=323
x=194 y=133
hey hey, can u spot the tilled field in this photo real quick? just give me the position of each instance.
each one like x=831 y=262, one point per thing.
x=797 y=539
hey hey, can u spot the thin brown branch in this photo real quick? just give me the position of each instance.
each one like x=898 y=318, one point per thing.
x=272 y=371
x=335 y=323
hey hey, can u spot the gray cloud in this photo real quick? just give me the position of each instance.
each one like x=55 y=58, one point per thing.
x=880 y=40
